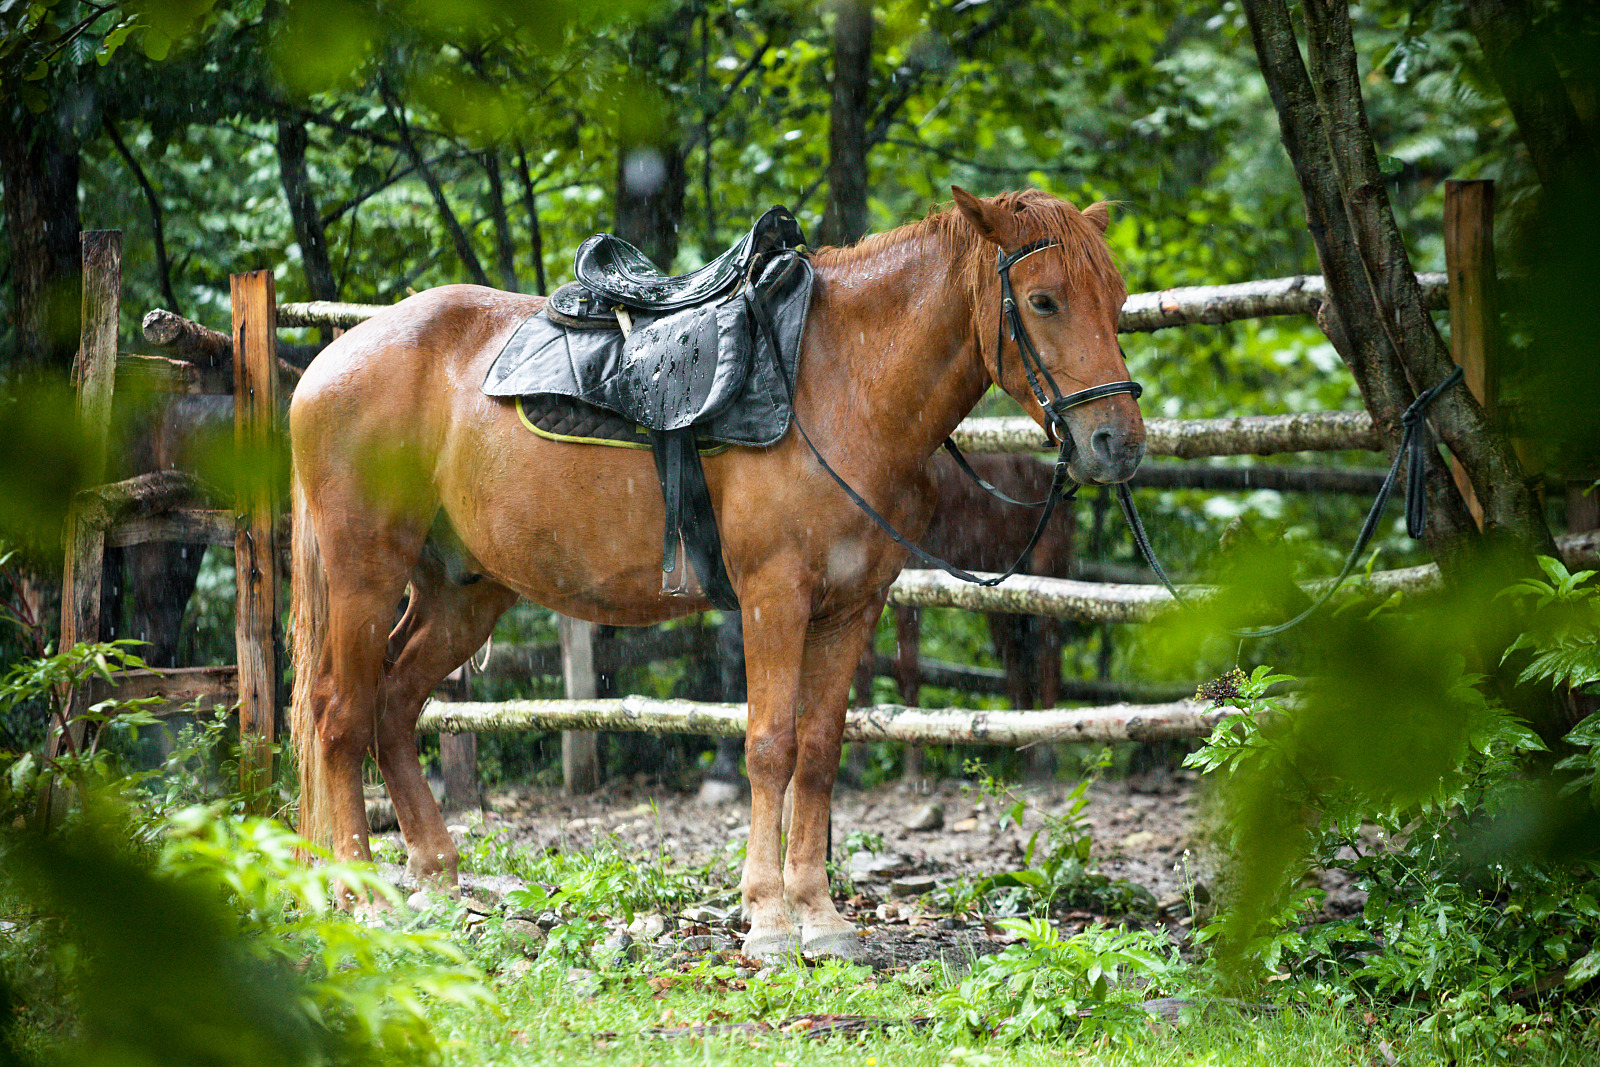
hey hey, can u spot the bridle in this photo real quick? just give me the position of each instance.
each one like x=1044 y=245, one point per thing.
x=1055 y=409
x=1032 y=365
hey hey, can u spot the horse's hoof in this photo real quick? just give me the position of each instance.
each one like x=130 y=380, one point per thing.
x=840 y=944
x=772 y=948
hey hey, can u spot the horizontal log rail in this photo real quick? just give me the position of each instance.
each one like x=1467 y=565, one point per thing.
x=1239 y=435
x=1065 y=598
x=1212 y=305
x=881 y=722
x=179 y=688
x=1143 y=312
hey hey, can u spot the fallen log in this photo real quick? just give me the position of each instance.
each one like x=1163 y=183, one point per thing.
x=1241 y=435
x=1211 y=305
x=881 y=722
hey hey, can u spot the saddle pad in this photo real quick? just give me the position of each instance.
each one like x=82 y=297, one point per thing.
x=562 y=418
x=704 y=366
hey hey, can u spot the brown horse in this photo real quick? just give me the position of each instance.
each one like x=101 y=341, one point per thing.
x=396 y=450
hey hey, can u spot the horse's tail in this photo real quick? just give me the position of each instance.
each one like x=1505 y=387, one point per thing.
x=309 y=600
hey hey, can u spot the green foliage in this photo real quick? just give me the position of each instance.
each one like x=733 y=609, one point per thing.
x=1475 y=909
x=602 y=880
x=1050 y=986
x=1057 y=870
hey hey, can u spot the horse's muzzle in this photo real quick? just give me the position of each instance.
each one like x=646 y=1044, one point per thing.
x=1112 y=456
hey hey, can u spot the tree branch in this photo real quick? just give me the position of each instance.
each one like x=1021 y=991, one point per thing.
x=158 y=229
x=464 y=250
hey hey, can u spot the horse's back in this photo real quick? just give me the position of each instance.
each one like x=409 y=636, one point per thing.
x=450 y=328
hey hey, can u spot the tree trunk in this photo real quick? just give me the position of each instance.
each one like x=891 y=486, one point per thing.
x=39 y=167
x=1560 y=146
x=844 y=219
x=505 y=250
x=303 y=212
x=651 y=182
x=1376 y=317
x=1509 y=505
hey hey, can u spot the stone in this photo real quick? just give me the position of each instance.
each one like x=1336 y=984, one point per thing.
x=548 y=920
x=648 y=927
x=870 y=866
x=491 y=887
x=912 y=885
x=478 y=907
x=1139 y=839
x=584 y=983
x=621 y=948
x=706 y=914
x=517 y=969
x=928 y=817
x=706 y=943
x=381 y=818
x=966 y=825
x=715 y=793
x=529 y=937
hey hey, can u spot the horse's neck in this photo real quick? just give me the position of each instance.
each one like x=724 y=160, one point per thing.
x=907 y=364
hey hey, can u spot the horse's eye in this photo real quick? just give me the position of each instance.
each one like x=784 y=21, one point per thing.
x=1043 y=304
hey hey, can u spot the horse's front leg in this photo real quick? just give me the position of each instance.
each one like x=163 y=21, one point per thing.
x=774 y=644
x=832 y=650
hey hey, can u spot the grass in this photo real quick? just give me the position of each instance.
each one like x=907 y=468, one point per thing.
x=609 y=1015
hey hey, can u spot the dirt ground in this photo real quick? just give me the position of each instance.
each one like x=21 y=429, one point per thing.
x=1145 y=829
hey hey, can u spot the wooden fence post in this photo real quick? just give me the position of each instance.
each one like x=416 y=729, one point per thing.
x=580 y=749
x=1474 y=322
x=94 y=372
x=255 y=414
x=458 y=753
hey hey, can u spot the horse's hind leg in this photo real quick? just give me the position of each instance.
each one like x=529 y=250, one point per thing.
x=444 y=623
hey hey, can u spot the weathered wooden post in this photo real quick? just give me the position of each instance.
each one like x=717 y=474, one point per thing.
x=458 y=753
x=94 y=372
x=1474 y=322
x=255 y=414
x=580 y=749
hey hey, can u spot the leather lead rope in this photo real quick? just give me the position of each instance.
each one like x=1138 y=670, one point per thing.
x=1415 y=441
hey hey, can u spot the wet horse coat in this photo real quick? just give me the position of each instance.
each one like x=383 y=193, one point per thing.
x=396 y=448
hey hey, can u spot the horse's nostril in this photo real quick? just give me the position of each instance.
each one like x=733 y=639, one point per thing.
x=1105 y=442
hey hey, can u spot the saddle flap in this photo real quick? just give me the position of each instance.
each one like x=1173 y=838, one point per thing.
x=684 y=367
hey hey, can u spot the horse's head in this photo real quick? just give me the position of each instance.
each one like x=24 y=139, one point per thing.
x=1067 y=293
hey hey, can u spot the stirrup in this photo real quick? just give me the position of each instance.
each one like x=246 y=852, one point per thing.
x=674 y=580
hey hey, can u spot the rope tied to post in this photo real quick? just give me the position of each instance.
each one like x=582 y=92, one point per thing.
x=1415 y=441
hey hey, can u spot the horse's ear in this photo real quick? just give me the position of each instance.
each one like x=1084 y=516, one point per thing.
x=976 y=212
x=1099 y=213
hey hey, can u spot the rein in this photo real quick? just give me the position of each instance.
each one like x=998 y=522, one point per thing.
x=1055 y=411
x=1413 y=451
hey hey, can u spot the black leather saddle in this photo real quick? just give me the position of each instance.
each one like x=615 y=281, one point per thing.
x=688 y=358
x=618 y=273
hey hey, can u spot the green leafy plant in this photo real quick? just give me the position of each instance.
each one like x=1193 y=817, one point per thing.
x=1057 y=869
x=1049 y=985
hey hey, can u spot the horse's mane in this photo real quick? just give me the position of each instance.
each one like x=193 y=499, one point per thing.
x=1088 y=260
